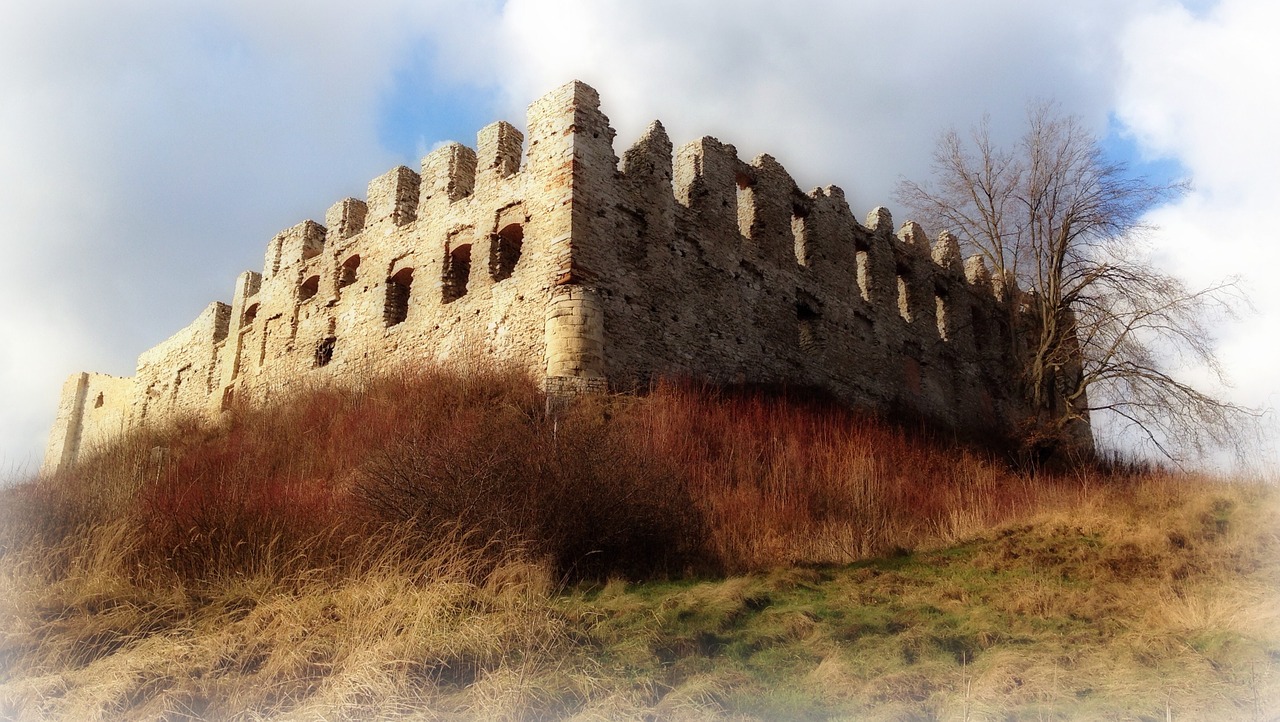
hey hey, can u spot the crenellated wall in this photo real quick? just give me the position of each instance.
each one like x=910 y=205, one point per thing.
x=712 y=267
x=553 y=256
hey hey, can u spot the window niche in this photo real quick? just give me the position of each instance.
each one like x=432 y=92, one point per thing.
x=943 y=313
x=504 y=251
x=863 y=257
x=904 y=293
x=309 y=289
x=800 y=234
x=981 y=329
x=457 y=272
x=746 y=202
x=808 y=324
x=347 y=274
x=249 y=316
x=399 y=288
x=324 y=351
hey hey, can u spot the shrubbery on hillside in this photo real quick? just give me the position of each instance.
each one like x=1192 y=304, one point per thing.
x=682 y=479
x=409 y=550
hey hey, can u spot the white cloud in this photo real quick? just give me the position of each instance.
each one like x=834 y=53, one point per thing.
x=150 y=150
x=855 y=93
x=851 y=93
x=1202 y=88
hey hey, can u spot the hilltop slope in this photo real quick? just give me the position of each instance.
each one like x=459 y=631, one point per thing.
x=438 y=547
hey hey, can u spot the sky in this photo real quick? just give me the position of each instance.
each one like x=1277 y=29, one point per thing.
x=149 y=150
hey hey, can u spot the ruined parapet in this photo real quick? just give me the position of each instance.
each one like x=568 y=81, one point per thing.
x=571 y=146
x=345 y=219
x=92 y=410
x=64 y=438
x=826 y=239
x=771 y=212
x=650 y=156
x=946 y=254
x=448 y=175
x=293 y=246
x=647 y=180
x=246 y=290
x=708 y=179
x=540 y=250
x=912 y=235
x=498 y=149
x=1005 y=286
x=757 y=281
x=245 y=305
x=179 y=375
x=976 y=273
x=393 y=198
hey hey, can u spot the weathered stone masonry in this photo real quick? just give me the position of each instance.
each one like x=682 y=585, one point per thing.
x=587 y=273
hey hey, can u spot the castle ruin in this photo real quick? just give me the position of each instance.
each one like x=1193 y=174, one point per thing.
x=551 y=256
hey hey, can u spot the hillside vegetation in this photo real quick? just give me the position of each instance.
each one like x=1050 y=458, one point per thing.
x=440 y=547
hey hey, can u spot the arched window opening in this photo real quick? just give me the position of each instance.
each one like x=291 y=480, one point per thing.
x=324 y=351
x=457 y=271
x=249 y=316
x=347 y=274
x=309 y=288
x=396 y=308
x=504 y=251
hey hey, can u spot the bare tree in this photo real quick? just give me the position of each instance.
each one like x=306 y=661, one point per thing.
x=1101 y=329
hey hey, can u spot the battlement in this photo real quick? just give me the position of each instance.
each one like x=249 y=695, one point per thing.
x=550 y=254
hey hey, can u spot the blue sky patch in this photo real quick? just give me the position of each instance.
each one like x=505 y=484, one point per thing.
x=1200 y=8
x=422 y=109
x=1120 y=144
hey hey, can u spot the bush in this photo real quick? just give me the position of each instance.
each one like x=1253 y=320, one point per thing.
x=575 y=489
x=683 y=478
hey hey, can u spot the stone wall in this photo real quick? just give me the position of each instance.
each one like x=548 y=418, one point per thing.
x=94 y=409
x=555 y=258
x=712 y=267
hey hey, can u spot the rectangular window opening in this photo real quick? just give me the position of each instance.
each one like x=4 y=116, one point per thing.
x=457 y=273
x=808 y=324
x=943 y=315
x=800 y=234
x=746 y=203
x=504 y=251
x=904 y=296
x=396 y=308
x=863 y=258
x=324 y=351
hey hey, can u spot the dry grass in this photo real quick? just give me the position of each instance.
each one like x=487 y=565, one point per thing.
x=438 y=548
x=397 y=637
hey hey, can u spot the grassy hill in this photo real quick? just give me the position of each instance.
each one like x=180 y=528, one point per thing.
x=440 y=548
